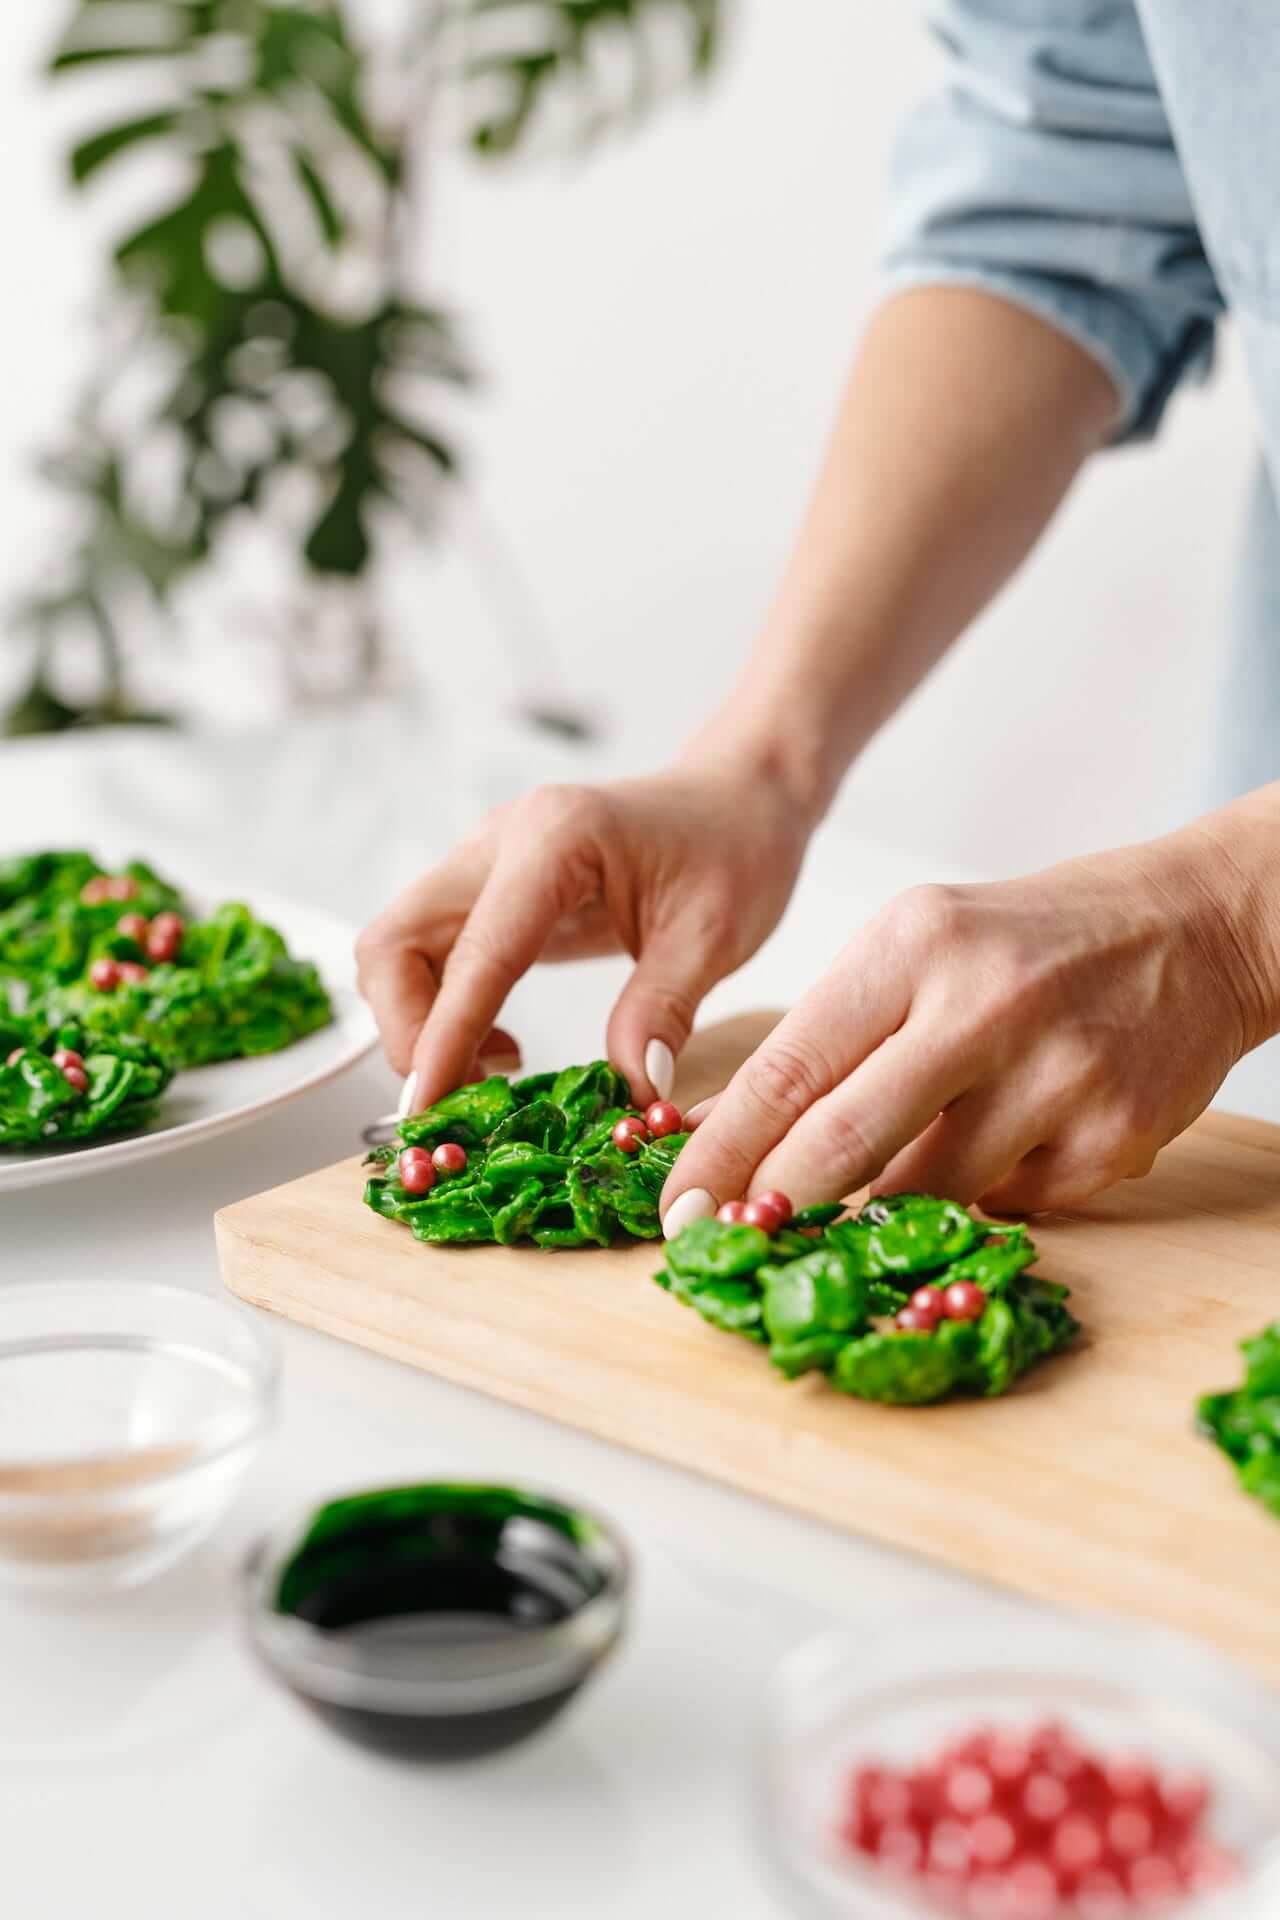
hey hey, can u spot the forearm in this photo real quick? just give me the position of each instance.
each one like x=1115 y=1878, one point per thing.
x=963 y=424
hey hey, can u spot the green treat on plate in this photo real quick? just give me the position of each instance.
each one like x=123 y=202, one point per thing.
x=232 y=992
x=53 y=924
x=40 y=1106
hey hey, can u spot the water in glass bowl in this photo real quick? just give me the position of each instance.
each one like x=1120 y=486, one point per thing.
x=120 y=1445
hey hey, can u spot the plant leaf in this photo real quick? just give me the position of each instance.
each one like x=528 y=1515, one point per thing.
x=95 y=152
x=331 y=222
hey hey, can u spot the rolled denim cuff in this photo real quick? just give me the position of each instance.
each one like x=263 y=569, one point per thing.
x=1144 y=363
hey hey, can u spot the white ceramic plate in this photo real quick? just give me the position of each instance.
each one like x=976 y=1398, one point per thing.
x=209 y=1100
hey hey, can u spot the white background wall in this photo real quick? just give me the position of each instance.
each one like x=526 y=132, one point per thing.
x=665 y=328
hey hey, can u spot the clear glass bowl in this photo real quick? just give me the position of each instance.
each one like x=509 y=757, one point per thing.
x=840 y=1702
x=129 y=1414
x=437 y=1622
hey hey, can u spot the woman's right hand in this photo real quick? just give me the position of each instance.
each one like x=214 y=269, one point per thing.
x=688 y=871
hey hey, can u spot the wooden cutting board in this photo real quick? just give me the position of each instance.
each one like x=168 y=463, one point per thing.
x=1087 y=1485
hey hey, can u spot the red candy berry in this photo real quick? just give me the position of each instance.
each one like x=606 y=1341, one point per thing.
x=121 y=887
x=912 y=1320
x=1044 y=1799
x=969 y=1791
x=763 y=1214
x=449 y=1157
x=104 y=974
x=1101 y=1895
x=94 y=892
x=779 y=1202
x=962 y=1300
x=1007 y=1825
x=1077 y=1844
x=1034 y=1891
x=417 y=1175
x=165 y=937
x=67 y=1057
x=1131 y=1832
x=15 y=1056
x=134 y=926
x=1153 y=1881
x=132 y=972
x=733 y=1213
x=76 y=1077
x=662 y=1119
x=928 y=1301
x=630 y=1134
x=993 y=1840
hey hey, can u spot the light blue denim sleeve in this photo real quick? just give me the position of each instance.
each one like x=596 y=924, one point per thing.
x=1044 y=171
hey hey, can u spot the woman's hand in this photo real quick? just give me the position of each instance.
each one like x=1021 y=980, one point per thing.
x=1025 y=1043
x=687 y=871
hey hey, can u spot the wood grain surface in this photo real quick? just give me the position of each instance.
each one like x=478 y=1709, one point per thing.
x=1087 y=1485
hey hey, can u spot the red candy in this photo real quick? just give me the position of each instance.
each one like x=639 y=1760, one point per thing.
x=928 y=1301
x=779 y=1202
x=1077 y=1844
x=962 y=1300
x=76 y=1077
x=417 y=1175
x=132 y=971
x=165 y=937
x=449 y=1157
x=15 y=1056
x=663 y=1119
x=733 y=1213
x=121 y=887
x=763 y=1214
x=67 y=1057
x=630 y=1134
x=1007 y=1825
x=134 y=926
x=94 y=892
x=104 y=974
x=915 y=1320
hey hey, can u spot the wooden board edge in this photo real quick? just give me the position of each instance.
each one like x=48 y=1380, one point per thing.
x=1034 y=1578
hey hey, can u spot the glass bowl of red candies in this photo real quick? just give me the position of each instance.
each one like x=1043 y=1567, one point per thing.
x=1046 y=1768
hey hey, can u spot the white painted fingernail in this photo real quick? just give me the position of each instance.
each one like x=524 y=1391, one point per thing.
x=408 y=1094
x=697 y=1114
x=660 y=1068
x=697 y=1204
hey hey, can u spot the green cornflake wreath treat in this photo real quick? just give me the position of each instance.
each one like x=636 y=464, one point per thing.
x=106 y=978
x=1245 y=1423
x=537 y=1159
x=56 y=909
x=226 y=988
x=966 y=1317
x=73 y=1087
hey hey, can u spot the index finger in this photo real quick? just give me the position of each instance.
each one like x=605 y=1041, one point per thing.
x=526 y=893
x=823 y=1038
x=400 y=954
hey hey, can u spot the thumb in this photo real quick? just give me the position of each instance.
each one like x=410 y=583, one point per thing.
x=655 y=1012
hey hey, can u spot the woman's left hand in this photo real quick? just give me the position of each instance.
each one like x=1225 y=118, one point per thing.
x=1025 y=1043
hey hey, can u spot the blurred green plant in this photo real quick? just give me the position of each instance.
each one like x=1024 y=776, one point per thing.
x=264 y=348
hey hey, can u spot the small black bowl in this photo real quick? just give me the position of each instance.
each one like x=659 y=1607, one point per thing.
x=436 y=1622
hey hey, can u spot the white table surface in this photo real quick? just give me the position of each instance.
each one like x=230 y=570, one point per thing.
x=146 y=1768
